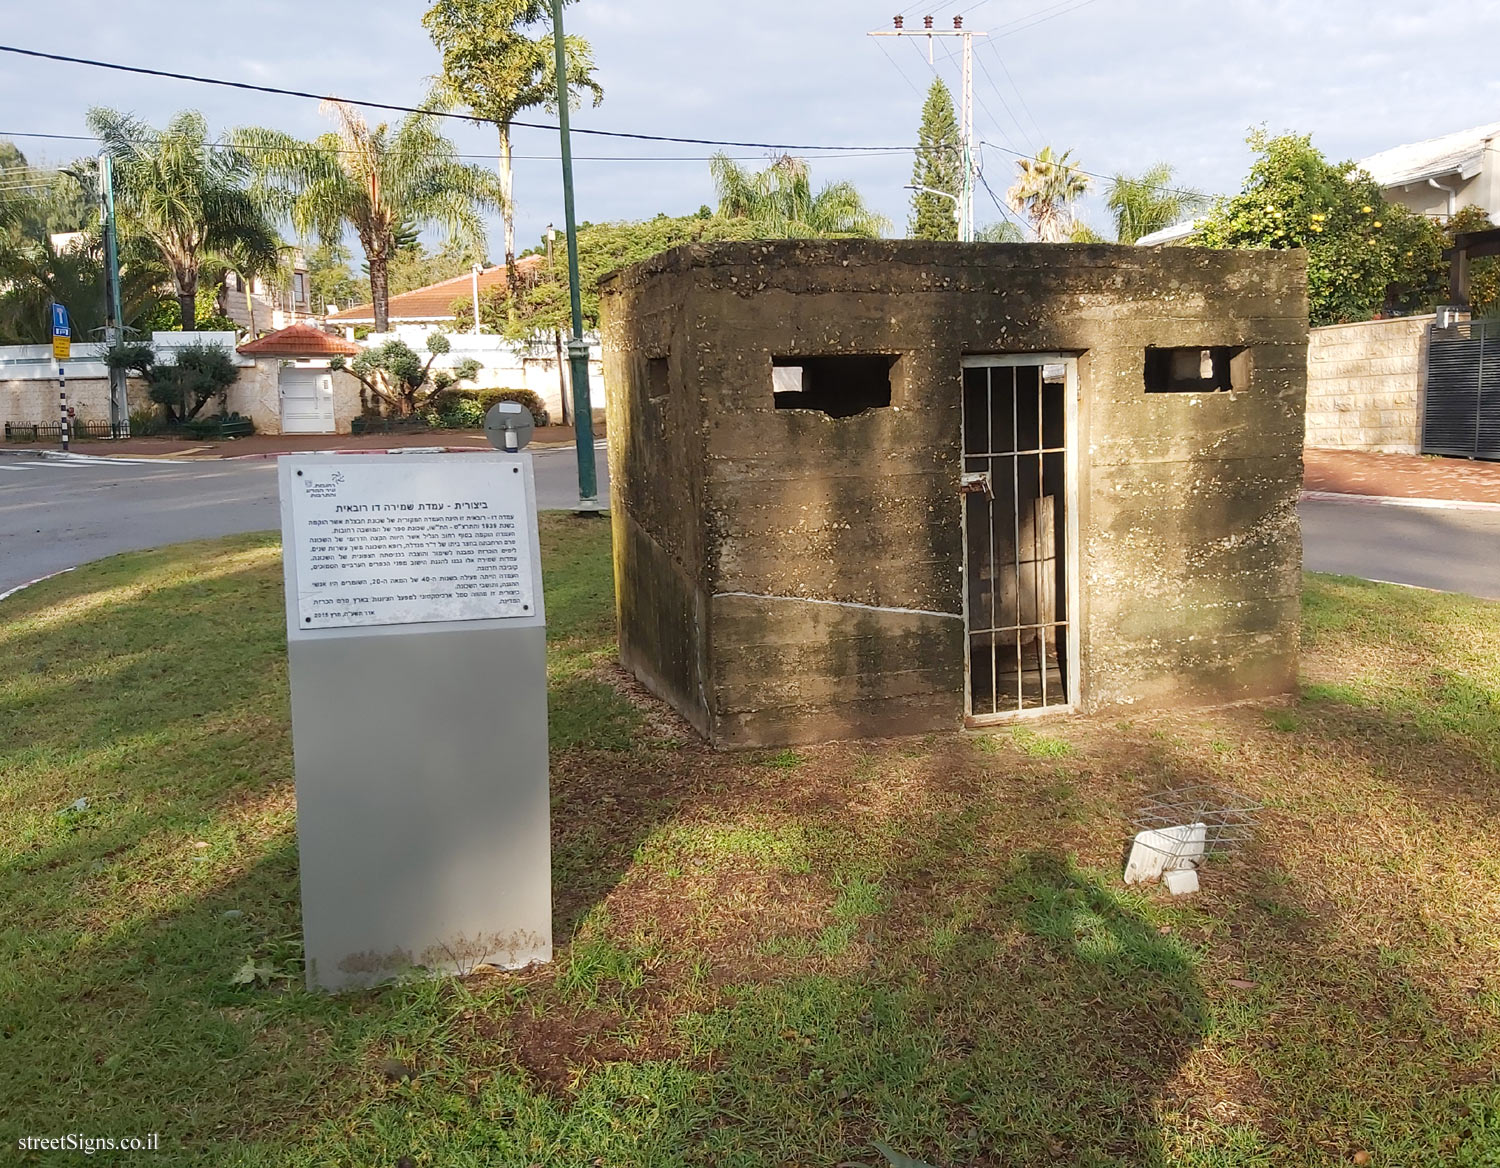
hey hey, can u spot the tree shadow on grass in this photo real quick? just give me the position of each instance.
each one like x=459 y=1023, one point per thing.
x=1040 y=1029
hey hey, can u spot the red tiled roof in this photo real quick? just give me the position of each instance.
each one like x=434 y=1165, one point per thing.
x=435 y=302
x=300 y=340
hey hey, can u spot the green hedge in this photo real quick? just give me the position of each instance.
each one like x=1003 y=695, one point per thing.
x=464 y=409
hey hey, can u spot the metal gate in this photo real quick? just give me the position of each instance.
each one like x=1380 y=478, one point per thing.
x=1461 y=405
x=1020 y=535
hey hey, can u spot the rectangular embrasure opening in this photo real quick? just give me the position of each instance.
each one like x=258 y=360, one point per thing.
x=1215 y=369
x=656 y=377
x=840 y=386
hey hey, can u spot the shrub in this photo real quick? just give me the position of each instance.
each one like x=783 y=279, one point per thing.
x=213 y=427
x=468 y=406
x=145 y=421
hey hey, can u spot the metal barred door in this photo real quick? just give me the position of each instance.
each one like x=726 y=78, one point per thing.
x=1019 y=536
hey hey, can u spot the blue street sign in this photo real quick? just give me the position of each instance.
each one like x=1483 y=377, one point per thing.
x=61 y=333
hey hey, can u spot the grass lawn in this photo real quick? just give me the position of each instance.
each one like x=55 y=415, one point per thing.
x=773 y=959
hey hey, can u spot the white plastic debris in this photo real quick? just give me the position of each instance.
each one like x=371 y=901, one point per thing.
x=1167 y=849
x=1181 y=881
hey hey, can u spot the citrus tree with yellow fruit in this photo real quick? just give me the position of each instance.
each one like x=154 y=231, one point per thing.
x=1364 y=255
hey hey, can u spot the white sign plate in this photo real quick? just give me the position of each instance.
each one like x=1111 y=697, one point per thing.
x=386 y=543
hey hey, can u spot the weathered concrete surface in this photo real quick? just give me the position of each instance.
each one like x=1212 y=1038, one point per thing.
x=785 y=576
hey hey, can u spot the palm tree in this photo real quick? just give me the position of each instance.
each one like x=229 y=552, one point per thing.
x=780 y=203
x=184 y=193
x=1150 y=203
x=36 y=274
x=375 y=179
x=492 y=65
x=1044 y=191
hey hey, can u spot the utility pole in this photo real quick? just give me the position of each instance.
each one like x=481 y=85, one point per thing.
x=114 y=333
x=578 y=348
x=966 y=116
x=474 y=279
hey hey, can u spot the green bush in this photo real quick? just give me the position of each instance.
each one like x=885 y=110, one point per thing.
x=145 y=421
x=213 y=427
x=467 y=407
x=465 y=413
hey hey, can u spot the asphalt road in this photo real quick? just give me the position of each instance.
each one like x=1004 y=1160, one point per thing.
x=1452 y=551
x=55 y=515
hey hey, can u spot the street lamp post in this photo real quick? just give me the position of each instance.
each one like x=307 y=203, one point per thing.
x=578 y=348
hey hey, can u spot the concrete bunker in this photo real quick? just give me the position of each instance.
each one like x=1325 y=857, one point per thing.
x=883 y=487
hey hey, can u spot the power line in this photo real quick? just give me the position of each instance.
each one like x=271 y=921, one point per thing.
x=1092 y=173
x=1004 y=210
x=1043 y=16
x=875 y=153
x=1021 y=97
x=440 y=113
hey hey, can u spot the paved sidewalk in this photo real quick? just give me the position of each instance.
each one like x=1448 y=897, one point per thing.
x=267 y=445
x=1401 y=476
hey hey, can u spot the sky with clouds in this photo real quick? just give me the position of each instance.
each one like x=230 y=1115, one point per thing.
x=1122 y=83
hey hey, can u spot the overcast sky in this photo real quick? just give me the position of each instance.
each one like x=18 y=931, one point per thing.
x=1123 y=83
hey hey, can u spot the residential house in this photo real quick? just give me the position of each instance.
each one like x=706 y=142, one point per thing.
x=258 y=306
x=1443 y=175
x=539 y=365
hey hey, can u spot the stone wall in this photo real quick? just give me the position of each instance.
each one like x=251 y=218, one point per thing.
x=786 y=576
x=1364 y=385
x=29 y=400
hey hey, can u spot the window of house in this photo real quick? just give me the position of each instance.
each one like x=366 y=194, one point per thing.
x=840 y=387
x=299 y=289
x=1217 y=369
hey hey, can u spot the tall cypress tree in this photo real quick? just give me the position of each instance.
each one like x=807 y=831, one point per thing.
x=939 y=165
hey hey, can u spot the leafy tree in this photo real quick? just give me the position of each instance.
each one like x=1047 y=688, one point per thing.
x=198 y=374
x=1001 y=231
x=34 y=274
x=396 y=375
x=498 y=61
x=1364 y=254
x=938 y=167
x=1081 y=232
x=1044 y=191
x=543 y=305
x=184 y=194
x=1150 y=203
x=330 y=280
x=378 y=180
x=778 y=202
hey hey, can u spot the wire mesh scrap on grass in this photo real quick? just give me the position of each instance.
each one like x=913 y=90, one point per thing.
x=1226 y=819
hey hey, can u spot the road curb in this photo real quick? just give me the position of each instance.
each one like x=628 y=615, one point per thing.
x=22 y=587
x=1401 y=501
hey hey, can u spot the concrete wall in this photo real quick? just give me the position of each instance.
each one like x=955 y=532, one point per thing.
x=785 y=576
x=35 y=400
x=504 y=364
x=1364 y=385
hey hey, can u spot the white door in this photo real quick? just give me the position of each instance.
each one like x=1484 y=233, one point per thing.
x=306 y=401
